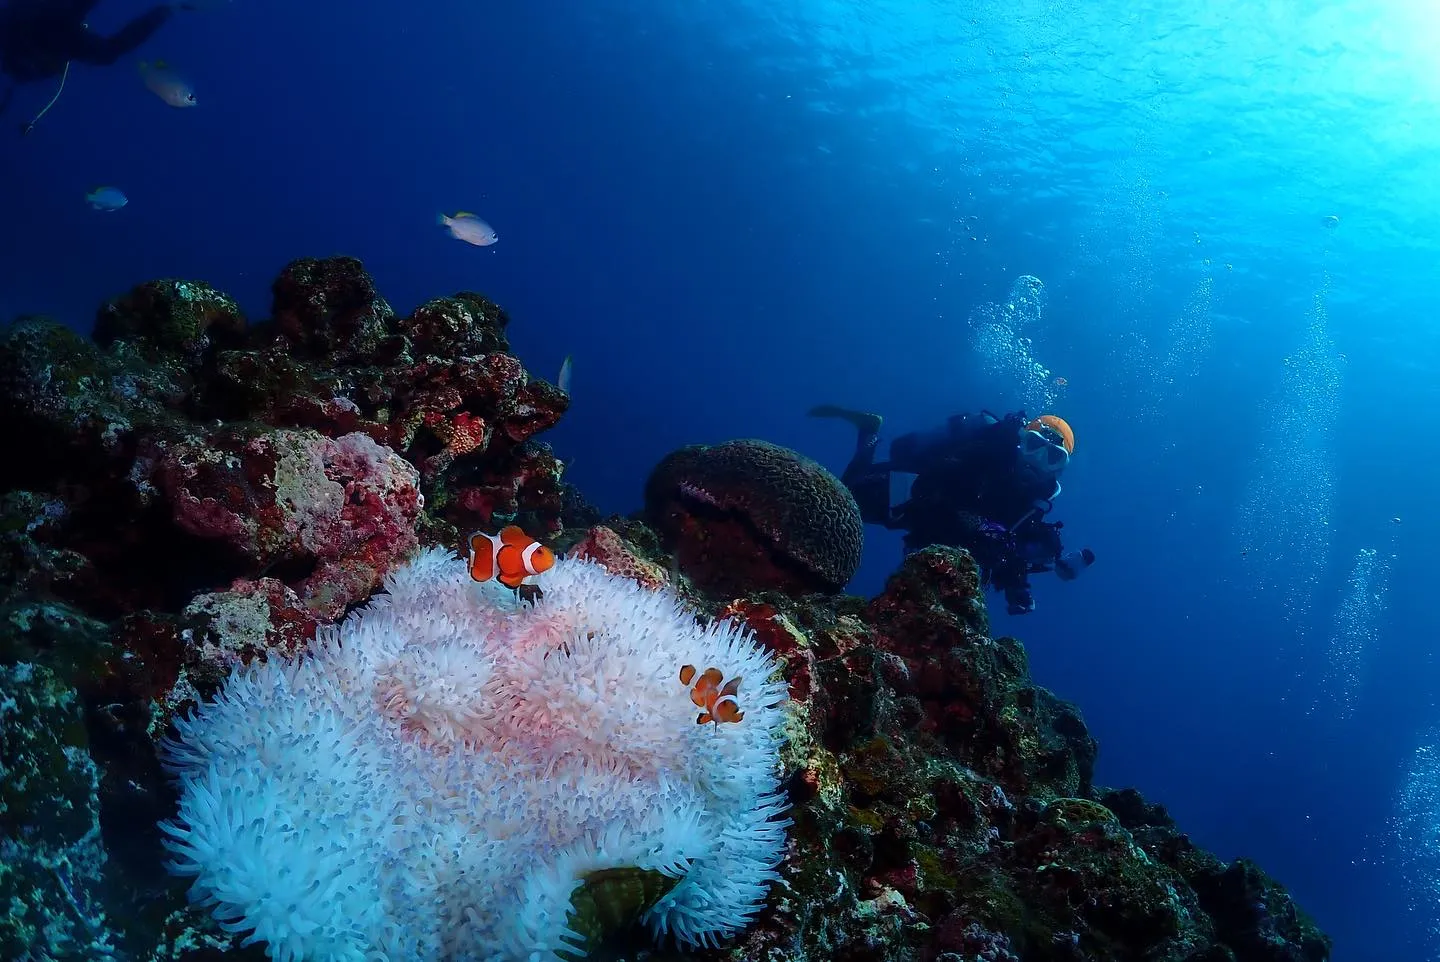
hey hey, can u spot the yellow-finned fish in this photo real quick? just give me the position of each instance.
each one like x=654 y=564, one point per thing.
x=467 y=227
x=165 y=83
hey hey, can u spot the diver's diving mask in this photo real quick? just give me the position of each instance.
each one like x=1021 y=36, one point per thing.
x=1042 y=452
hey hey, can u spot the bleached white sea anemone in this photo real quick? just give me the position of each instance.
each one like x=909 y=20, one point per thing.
x=436 y=777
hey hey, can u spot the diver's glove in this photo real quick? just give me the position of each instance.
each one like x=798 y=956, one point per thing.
x=1069 y=565
x=1019 y=601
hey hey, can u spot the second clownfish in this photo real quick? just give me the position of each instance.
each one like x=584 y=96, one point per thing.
x=511 y=557
x=719 y=703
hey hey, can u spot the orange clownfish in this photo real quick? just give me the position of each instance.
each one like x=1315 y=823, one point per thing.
x=511 y=557
x=718 y=703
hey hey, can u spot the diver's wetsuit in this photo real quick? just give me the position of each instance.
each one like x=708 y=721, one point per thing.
x=39 y=37
x=969 y=492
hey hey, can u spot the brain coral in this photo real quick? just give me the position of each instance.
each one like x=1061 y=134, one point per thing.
x=804 y=519
x=452 y=774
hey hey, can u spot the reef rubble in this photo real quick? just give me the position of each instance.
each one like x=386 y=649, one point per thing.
x=190 y=490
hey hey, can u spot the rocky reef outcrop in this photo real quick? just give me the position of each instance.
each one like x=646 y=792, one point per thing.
x=188 y=490
x=945 y=803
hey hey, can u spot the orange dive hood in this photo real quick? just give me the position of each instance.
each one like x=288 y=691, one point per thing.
x=1058 y=425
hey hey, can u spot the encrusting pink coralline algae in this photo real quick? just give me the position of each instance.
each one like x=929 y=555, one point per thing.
x=434 y=778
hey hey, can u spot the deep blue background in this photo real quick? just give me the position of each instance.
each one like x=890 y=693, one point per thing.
x=728 y=214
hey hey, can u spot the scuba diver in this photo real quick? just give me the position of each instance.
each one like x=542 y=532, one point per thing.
x=981 y=483
x=40 y=39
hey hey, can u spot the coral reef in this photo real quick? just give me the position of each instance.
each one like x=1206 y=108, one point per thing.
x=750 y=514
x=196 y=496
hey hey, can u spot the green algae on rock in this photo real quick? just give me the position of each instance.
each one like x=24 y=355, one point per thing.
x=945 y=809
x=172 y=318
x=51 y=854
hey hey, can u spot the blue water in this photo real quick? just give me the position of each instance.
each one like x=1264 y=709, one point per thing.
x=731 y=211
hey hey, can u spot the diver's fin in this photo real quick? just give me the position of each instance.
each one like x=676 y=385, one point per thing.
x=567 y=368
x=864 y=422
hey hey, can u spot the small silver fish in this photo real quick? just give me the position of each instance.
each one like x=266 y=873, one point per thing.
x=107 y=198
x=467 y=227
x=166 y=84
